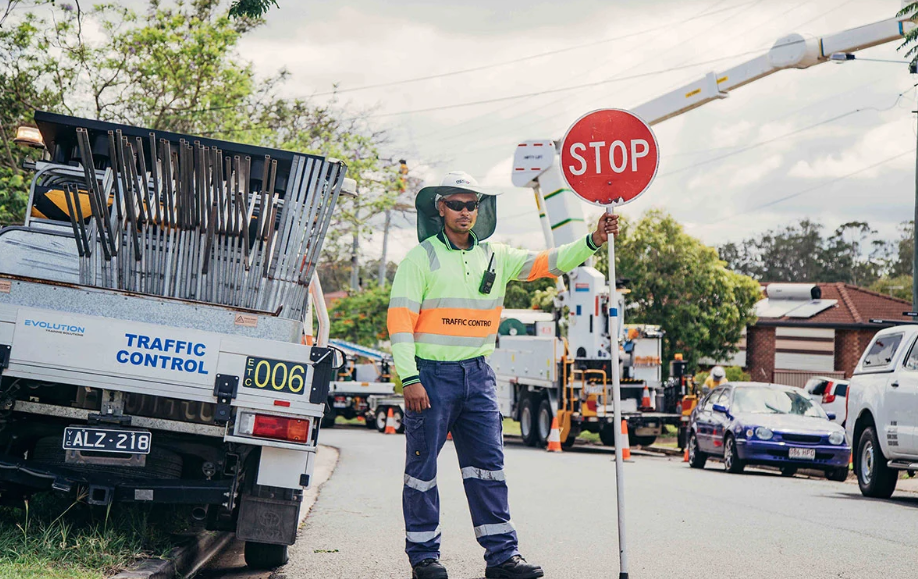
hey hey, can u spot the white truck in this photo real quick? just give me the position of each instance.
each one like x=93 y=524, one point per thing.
x=152 y=327
x=366 y=376
x=882 y=423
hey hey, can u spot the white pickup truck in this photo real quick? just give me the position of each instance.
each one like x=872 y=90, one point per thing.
x=152 y=316
x=882 y=422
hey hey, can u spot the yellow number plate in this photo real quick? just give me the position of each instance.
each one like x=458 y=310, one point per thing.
x=274 y=375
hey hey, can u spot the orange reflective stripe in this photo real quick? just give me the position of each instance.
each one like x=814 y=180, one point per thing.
x=459 y=322
x=401 y=320
x=540 y=268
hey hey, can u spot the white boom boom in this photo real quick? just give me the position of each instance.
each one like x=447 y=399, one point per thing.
x=536 y=164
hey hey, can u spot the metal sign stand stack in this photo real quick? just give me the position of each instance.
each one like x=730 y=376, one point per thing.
x=188 y=224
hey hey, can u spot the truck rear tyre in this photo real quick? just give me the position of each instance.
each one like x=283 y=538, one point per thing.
x=635 y=440
x=381 y=415
x=264 y=555
x=397 y=418
x=328 y=418
x=544 y=422
x=607 y=434
x=874 y=477
x=528 y=425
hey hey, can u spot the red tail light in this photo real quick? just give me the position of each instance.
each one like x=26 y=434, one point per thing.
x=281 y=428
x=827 y=396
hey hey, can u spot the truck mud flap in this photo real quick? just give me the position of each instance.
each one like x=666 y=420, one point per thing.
x=268 y=520
x=322 y=371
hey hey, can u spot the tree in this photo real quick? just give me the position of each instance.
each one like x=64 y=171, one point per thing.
x=682 y=285
x=800 y=253
x=905 y=250
x=361 y=317
x=897 y=287
x=250 y=8
x=911 y=11
x=176 y=67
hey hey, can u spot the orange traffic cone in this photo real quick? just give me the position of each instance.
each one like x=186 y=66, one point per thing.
x=554 y=437
x=449 y=436
x=685 y=455
x=390 y=423
x=645 y=398
x=626 y=446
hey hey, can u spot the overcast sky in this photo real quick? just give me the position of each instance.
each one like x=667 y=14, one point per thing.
x=370 y=42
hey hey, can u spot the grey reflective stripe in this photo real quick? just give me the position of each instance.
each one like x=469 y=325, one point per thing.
x=553 y=263
x=405 y=303
x=402 y=338
x=482 y=474
x=527 y=266
x=498 y=529
x=431 y=255
x=422 y=536
x=439 y=340
x=420 y=485
x=465 y=303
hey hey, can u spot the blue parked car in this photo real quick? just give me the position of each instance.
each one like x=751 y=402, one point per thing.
x=758 y=423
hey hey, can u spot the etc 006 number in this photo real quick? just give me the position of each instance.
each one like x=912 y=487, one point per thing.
x=274 y=375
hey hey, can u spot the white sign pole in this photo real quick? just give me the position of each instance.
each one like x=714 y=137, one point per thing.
x=614 y=317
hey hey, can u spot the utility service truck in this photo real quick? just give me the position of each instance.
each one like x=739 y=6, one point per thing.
x=152 y=314
x=366 y=376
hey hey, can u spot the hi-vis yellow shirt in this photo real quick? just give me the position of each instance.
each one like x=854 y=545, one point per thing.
x=436 y=311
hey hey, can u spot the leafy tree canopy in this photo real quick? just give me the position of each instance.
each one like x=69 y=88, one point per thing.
x=682 y=285
x=176 y=66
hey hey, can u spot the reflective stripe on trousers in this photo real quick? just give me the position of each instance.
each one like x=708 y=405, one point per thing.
x=463 y=401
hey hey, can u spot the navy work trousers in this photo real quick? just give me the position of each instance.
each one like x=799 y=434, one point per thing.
x=463 y=401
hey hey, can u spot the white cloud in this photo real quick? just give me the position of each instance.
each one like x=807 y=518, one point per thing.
x=875 y=146
x=754 y=173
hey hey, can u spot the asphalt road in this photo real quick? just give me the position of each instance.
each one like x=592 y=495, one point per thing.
x=680 y=522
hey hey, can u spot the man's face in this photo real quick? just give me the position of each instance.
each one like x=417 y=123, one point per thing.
x=460 y=220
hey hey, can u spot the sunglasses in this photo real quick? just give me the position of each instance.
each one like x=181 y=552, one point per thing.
x=460 y=205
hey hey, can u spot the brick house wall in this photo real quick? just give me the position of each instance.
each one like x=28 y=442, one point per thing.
x=849 y=345
x=760 y=353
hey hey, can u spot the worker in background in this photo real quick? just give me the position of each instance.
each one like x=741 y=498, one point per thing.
x=717 y=377
x=443 y=317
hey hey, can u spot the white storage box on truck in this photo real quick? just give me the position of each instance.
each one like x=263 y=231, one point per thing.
x=151 y=323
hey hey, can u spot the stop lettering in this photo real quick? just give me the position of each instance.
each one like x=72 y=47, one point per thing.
x=609 y=157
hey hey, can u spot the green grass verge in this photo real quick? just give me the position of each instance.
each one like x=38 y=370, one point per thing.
x=53 y=536
x=511 y=427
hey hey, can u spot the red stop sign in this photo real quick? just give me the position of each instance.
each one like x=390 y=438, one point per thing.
x=609 y=157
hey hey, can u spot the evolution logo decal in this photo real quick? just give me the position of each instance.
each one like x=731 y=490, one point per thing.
x=55 y=328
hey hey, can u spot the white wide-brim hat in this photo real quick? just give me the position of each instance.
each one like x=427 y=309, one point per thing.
x=429 y=221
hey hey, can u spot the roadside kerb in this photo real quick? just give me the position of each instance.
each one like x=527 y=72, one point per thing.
x=188 y=559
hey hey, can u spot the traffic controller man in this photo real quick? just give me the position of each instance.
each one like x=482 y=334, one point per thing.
x=444 y=313
x=717 y=377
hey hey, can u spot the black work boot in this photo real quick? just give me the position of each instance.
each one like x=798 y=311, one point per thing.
x=428 y=569
x=514 y=568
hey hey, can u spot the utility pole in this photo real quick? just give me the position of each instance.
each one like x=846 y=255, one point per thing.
x=915 y=236
x=385 y=245
x=402 y=186
x=355 y=265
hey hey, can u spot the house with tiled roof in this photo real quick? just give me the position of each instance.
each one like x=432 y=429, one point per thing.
x=806 y=330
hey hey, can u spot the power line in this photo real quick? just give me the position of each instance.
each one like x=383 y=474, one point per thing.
x=529 y=57
x=554 y=90
x=821 y=185
x=785 y=135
